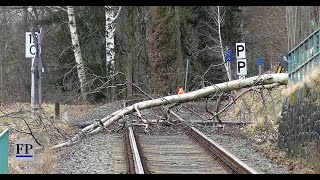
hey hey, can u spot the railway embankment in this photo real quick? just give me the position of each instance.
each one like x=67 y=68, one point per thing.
x=299 y=126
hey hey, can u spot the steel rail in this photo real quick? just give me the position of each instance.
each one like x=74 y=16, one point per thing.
x=129 y=155
x=135 y=152
x=228 y=159
x=225 y=156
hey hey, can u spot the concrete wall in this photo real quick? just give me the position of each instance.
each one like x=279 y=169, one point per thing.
x=299 y=127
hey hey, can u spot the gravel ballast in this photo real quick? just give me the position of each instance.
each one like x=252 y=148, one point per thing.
x=103 y=153
x=243 y=149
x=98 y=154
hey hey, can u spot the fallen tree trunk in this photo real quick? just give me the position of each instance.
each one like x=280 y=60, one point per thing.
x=280 y=78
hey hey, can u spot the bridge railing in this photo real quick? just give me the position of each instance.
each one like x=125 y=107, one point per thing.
x=304 y=57
x=4 y=138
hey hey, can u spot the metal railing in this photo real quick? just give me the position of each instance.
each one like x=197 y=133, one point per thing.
x=4 y=152
x=304 y=57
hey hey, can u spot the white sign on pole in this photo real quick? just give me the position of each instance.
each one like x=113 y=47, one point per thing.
x=30 y=47
x=242 y=67
x=241 y=50
x=241 y=59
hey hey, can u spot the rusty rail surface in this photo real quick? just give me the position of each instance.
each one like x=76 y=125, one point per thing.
x=135 y=161
x=226 y=158
x=175 y=154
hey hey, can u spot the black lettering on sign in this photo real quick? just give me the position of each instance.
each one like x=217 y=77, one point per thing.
x=240 y=48
x=19 y=148
x=33 y=52
x=241 y=64
x=32 y=48
x=28 y=148
x=30 y=35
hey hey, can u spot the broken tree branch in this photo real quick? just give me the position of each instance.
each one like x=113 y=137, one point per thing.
x=280 y=78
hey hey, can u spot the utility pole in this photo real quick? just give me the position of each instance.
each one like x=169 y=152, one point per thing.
x=186 y=77
x=33 y=95
x=33 y=51
x=40 y=67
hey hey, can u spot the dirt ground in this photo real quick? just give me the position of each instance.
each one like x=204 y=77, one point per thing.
x=46 y=159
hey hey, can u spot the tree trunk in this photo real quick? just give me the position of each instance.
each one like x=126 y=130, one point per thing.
x=77 y=51
x=288 y=27
x=219 y=22
x=130 y=59
x=110 y=64
x=179 y=60
x=280 y=78
x=154 y=31
x=110 y=52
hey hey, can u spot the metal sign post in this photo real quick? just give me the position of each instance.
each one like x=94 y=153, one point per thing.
x=33 y=50
x=186 y=78
x=259 y=62
x=241 y=69
x=39 y=65
x=30 y=53
x=33 y=92
x=229 y=59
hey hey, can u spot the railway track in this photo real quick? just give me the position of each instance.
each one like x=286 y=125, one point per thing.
x=185 y=151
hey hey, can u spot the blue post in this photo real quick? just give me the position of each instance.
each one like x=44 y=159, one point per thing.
x=259 y=62
x=4 y=151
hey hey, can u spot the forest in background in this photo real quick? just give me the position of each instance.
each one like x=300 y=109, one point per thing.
x=129 y=51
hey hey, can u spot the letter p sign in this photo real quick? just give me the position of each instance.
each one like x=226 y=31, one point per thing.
x=242 y=67
x=241 y=59
x=241 y=50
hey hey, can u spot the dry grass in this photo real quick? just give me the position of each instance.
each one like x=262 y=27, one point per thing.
x=43 y=163
x=314 y=157
x=257 y=129
x=18 y=166
x=309 y=79
x=255 y=113
x=297 y=165
x=45 y=159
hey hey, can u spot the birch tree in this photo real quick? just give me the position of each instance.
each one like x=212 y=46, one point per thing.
x=259 y=81
x=110 y=30
x=219 y=22
x=216 y=14
x=77 y=51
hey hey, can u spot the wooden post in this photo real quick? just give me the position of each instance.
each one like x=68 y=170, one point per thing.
x=56 y=110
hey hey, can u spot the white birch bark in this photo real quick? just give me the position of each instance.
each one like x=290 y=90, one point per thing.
x=219 y=21
x=110 y=29
x=280 y=78
x=77 y=51
x=110 y=52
